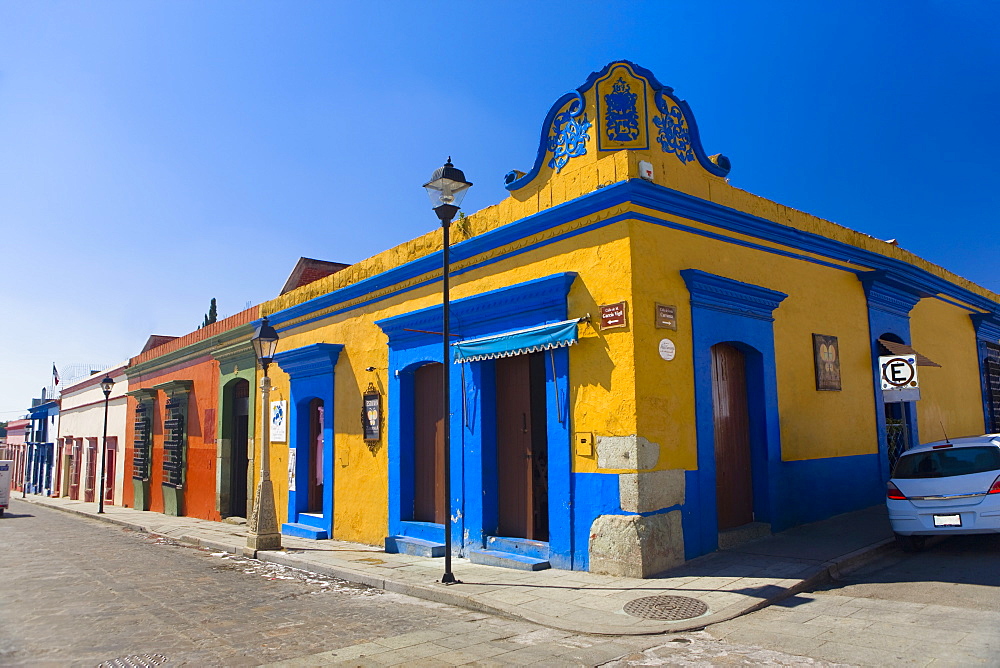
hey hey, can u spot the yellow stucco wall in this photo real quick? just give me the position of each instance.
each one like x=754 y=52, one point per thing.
x=951 y=399
x=619 y=384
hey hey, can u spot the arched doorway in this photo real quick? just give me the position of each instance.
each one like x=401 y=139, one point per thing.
x=314 y=483
x=239 y=456
x=733 y=470
x=428 y=444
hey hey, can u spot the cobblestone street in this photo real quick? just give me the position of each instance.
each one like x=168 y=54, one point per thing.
x=79 y=592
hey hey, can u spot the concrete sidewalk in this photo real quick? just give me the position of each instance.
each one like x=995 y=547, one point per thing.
x=730 y=582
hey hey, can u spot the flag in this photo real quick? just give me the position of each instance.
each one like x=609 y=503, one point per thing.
x=55 y=374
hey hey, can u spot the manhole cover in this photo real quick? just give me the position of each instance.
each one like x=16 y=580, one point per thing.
x=135 y=661
x=666 y=607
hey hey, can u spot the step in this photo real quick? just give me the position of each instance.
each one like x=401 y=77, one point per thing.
x=303 y=531
x=535 y=549
x=417 y=547
x=743 y=534
x=507 y=560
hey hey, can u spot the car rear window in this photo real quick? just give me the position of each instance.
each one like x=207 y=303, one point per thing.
x=948 y=462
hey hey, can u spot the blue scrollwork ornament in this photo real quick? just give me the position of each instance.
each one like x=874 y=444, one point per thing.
x=569 y=134
x=621 y=120
x=674 y=136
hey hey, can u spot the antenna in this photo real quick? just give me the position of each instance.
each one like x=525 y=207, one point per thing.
x=946 y=439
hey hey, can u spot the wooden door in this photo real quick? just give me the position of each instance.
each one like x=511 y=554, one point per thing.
x=238 y=449
x=428 y=444
x=109 y=469
x=315 y=482
x=76 y=456
x=522 y=448
x=733 y=476
x=88 y=493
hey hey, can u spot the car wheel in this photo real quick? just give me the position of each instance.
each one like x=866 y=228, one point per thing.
x=911 y=543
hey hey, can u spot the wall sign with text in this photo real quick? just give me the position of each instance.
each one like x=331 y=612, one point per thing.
x=614 y=315
x=279 y=421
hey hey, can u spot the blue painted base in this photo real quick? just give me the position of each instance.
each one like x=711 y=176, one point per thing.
x=507 y=560
x=535 y=549
x=416 y=547
x=428 y=531
x=304 y=531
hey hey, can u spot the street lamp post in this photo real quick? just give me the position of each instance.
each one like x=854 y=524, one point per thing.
x=263 y=525
x=106 y=384
x=447 y=188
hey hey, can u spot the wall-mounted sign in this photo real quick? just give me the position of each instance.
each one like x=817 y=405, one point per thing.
x=667 y=349
x=279 y=421
x=371 y=413
x=291 y=469
x=898 y=372
x=666 y=316
x=826 y=360
x=614 y=315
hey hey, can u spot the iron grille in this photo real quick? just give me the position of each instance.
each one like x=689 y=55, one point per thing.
x=991 y=367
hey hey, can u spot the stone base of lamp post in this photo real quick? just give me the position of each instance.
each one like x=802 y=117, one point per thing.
x=263 y=525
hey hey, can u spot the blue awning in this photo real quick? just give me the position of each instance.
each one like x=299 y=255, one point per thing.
x=522 y=341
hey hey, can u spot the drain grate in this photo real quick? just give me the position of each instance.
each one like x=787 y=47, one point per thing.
x=666 y=607
x=135 y=661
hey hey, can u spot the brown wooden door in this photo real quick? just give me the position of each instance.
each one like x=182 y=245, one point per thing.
x=733 y=478
x=428 y=444
x=522 y=449
x=76 y=457
x=109 y=469
x=88 y=493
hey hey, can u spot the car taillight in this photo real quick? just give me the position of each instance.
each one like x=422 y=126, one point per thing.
x=995 y=487
x=892 y=492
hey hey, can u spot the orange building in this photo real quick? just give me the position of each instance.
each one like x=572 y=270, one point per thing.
x=188 y=449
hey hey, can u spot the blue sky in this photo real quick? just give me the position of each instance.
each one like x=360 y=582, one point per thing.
x=154 y=155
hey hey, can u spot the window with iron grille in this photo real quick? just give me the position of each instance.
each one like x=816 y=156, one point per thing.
x=991 y=368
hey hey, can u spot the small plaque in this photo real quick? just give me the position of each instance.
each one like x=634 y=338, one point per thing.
x=667 y=349
x=666 y=316
x=279 y=410
x=614 y=315
x=291 y=469
x=371 y=414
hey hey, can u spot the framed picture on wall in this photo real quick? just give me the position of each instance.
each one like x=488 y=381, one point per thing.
x=826 y=356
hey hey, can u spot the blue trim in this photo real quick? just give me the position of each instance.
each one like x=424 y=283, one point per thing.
x=739 y=314
x=889 y=304
x=473 y=447
x=310 y=371
x=658 y=198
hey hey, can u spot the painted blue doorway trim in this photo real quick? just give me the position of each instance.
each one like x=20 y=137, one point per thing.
x=740 y=314
x=889 y=306
x=311 y=373
x=987 y=327
x=538 y=302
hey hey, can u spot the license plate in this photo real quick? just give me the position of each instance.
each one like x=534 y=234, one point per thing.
x=947 y=520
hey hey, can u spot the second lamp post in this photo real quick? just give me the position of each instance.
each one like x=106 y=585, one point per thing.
x=106 y=384
x=447 y=189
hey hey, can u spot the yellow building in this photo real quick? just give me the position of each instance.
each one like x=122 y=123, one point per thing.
x=646 y=361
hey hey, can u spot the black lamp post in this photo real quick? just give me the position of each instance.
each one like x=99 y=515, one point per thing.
x=447 y=189
x=106 y=384
x=262 y=531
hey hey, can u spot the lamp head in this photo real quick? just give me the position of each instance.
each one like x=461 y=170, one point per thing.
x=106 y=384
x=265 y=342
x=447 y=186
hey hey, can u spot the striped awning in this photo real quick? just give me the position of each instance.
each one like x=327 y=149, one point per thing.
x=519 y=342
x=893 y=348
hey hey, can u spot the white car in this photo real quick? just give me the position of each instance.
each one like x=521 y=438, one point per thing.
x=945 y=487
